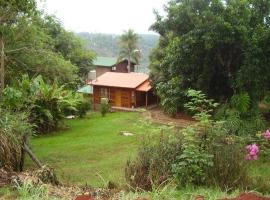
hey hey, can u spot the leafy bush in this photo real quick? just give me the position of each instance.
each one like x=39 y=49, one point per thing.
x=198 y=104
x=153 y=164
x=201 y=154
x=13 y=128
x=45 y=103
x=172 y=97
x=190 y=168
x=84 y=106
x=241 y=124
x=104 y=106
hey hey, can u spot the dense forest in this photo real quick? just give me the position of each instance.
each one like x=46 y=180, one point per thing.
x=107 y=44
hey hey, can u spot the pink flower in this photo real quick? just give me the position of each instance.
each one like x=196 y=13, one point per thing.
x=253 y=151
x=267 y=135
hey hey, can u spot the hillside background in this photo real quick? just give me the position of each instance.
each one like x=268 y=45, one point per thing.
x=107 y=45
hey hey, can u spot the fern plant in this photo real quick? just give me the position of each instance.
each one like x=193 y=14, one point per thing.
x=241 y=102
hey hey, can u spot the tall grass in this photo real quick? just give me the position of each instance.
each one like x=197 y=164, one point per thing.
x=13 y=127
x=28 y=191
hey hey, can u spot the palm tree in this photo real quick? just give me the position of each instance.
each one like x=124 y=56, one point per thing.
x=128 y=43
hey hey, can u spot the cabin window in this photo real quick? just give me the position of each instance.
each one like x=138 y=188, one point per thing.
x=114 y=68
x=103 y=93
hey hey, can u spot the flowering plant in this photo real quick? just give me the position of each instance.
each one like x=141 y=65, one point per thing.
x=253 y=151
x=267 y=135
x=262 y=140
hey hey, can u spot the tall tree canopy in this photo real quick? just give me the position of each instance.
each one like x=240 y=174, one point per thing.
x=221 y=47
x=36 y=44
x=128 y=43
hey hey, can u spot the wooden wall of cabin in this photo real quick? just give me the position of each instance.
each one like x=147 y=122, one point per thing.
x=117 y=96
x=122 y=67
x=140 y=99
x=101 y=70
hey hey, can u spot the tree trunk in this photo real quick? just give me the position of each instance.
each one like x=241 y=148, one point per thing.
x=2 y=65
x=32 y=156
x=128 y=67
x=24 y=141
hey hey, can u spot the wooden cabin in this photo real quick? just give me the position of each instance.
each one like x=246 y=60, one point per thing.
x=128 y=90
x=110 y=64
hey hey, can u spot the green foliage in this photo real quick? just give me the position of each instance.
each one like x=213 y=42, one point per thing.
x=13 y=128
x=236 y=122
x=45 y=103
x=190 y=168
x=172 y=97
x=153 y=164
x=198 y=103
x=83 y=107
x=215 y=47
x=38 y=44
x=241 y=102
x=29 y=191
x=128 y=43
x=104 y=106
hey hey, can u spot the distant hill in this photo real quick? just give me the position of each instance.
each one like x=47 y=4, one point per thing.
x=107 y=44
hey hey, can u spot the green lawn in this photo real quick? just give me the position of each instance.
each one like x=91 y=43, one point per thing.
x=91 y=149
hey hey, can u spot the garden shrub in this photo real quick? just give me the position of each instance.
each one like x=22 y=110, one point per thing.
x=104 y=106
x=153 y=164
x=83 y=107
x=199 y=104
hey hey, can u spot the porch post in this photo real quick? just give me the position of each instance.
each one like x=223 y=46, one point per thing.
x=146 y=99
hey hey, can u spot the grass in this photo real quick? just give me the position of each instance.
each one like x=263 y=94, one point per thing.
x=91 y=151
x=188 y=193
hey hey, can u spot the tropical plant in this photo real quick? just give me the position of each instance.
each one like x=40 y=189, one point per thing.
x=241 y=102
x=128 y=43
x=46 y=104
x=198 y=104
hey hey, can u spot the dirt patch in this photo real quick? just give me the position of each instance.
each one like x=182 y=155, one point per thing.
x=181 y=120
x=249 y=196
x=84 y=197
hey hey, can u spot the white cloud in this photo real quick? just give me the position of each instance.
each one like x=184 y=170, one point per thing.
x=104 y=16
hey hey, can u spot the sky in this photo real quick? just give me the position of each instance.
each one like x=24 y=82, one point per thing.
x=104 y=16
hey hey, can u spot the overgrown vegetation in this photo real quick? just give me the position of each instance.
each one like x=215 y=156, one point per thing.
x=46 y=104
x=13 y=129
x=204 y=154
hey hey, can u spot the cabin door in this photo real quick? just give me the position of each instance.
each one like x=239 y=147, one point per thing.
x=117 y=98
x=125 y=98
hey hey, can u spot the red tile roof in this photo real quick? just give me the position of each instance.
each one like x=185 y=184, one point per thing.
x=145 y=87
x=123 y=80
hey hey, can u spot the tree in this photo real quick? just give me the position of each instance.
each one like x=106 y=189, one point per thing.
x=128 y=42
x=10 y=11
x=219 y=47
